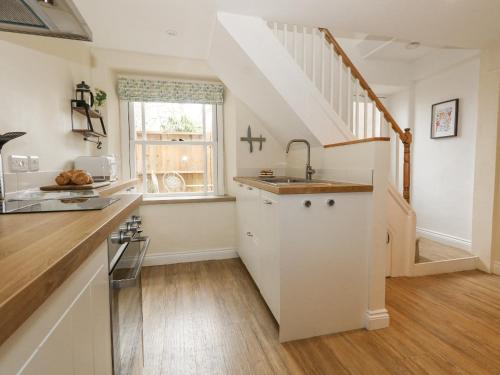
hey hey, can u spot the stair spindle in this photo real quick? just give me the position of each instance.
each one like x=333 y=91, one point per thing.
x=349 y=99
x=365 y=114
x=285 y=36
x=356 y=113
x=322 y=41
x=304 y=42
x=374 y=108
x=313 y=36
x=396 y=166
x=332 y=57
x=295 y=42
x=382 y=129
x=340 y=86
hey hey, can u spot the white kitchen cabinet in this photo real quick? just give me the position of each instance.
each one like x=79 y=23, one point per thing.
x=258 y=244
x=70 y=332
x=310 y=262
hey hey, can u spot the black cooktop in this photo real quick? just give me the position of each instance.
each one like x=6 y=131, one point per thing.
x=55 y=205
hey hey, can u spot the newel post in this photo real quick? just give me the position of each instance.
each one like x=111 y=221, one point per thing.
x=406 y=139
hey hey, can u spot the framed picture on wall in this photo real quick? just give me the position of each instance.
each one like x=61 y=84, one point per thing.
x=444 y=119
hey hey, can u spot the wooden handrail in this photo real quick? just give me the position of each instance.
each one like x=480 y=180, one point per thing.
x=405 y=135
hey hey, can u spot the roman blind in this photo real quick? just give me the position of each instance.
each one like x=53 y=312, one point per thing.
x=171 y=91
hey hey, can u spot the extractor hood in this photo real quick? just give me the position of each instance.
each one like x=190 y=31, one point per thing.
x=55 y=18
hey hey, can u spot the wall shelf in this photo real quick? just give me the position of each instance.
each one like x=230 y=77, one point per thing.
x=92 y=113
x=82 y=108
x=89 y=134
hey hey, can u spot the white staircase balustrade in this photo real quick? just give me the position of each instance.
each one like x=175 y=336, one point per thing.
x=333 y=78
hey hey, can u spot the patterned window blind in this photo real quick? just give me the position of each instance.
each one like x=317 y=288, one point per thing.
x=171 y=91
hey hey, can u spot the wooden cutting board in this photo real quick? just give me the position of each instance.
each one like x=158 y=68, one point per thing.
x=95 y=185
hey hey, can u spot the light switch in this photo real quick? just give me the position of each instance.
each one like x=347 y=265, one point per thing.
x=18 y=163
x=34 y=163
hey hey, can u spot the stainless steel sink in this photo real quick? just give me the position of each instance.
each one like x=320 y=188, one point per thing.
x=290 y=180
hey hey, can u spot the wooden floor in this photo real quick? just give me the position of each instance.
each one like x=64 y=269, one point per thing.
x=208 y=318
x=431 y=251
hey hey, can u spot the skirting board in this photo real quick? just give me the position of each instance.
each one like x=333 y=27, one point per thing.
x=159 y=259
x=377 y=319
x=496 y=268
x=446 y=239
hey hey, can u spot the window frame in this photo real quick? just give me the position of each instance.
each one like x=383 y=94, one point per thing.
x=216 y=143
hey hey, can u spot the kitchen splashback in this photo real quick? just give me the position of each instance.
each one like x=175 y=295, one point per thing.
x=28 y=180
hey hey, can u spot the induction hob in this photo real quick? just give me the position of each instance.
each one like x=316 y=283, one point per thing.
x=55 y=205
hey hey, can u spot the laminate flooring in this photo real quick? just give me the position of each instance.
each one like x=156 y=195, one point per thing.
x=209 y=318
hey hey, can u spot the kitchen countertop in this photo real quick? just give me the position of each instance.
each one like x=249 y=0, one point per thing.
x=305 y=188
x=117 y=186
x=38 y=254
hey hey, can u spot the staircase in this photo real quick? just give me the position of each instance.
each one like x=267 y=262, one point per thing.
x=344 y=90
x=301 y=76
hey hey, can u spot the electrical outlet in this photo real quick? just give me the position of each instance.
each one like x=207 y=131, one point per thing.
x=18 y=163
x=34 y=163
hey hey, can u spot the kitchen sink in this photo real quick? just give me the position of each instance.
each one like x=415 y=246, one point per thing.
x=291 y=180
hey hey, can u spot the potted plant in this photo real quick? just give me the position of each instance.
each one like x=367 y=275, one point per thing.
x=100 y=98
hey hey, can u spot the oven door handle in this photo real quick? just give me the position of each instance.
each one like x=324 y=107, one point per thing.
x=126 y=283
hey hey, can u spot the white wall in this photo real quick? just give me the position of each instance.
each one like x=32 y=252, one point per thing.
x=184 y=227
x=486 y=224
x=38 y=77
x=189 y=227
x=272 y=154
x=442 y=169
x=239 y=160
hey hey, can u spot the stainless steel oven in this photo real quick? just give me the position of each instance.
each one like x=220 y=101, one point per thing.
x=126 y=249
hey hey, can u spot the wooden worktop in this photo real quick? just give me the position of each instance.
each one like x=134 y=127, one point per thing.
x=305 y=188
x=117 y=186
x=39 y=251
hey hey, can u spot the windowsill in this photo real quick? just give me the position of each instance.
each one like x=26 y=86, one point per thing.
x=190 y=199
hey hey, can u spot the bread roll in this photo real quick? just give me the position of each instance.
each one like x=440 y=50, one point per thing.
x=73 y=172
x=75 y=177
x=80 y=178
x=63 y=179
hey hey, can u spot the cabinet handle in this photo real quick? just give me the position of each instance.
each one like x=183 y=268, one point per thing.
x=249 y=234
x=330 y=202
x=307 y=203
x=268 y=202
x=249 y=188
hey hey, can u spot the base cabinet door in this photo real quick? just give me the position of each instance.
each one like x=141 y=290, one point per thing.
x=269 y=253
x=70 y=332
x=55 y=355
x=248 y=226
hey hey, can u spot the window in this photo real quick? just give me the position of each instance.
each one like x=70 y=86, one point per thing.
x=175 y=148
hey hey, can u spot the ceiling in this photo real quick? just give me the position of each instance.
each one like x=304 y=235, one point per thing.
x=459 y=23
x=142 y=26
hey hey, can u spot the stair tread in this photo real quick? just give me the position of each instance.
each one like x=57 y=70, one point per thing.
x=431 y=251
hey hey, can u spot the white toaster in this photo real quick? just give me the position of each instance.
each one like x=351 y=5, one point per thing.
x=101 y=168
